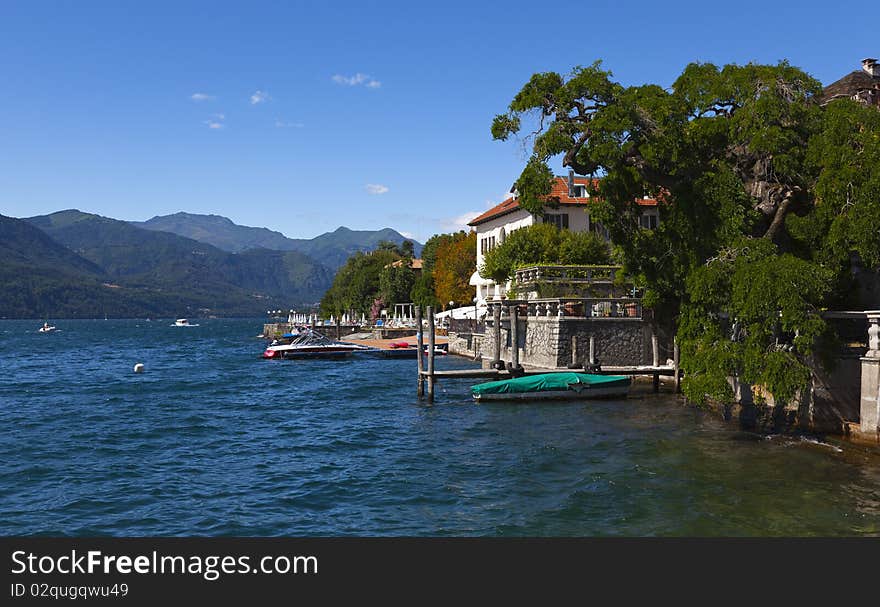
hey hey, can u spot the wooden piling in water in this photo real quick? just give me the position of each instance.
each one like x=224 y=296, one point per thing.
x=514 y=337
x=420 y=344
x=574 y=351
x=592 y=350
x=655 y=350
x=496 y=330
x=675 y=365
x=431 y=341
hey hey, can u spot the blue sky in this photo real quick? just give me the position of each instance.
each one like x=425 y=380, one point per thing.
x=304 y=116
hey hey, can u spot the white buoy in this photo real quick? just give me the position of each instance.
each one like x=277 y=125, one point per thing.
x=139 y=368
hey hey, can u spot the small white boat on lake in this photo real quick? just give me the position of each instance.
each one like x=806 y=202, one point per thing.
x=183 y=322
x=47 y=328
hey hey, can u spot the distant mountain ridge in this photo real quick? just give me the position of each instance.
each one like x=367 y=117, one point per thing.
x=72 y=263
x=331 y=248
x=76 y=264
x=40 y=278
x=218 y=231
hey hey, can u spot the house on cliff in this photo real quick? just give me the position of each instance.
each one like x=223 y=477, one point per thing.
x=860 y=85
x=572 y=211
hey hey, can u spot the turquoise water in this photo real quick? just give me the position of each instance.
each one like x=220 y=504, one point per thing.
x=211 y=440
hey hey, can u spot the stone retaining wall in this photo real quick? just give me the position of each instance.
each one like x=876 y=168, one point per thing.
x=467 y=344
x=547 y=341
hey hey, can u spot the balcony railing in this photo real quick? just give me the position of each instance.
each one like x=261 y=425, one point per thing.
x=573 y=307
x=566 y=274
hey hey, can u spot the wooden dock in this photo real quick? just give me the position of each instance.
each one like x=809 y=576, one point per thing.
x=490 y=374
x=428 y=376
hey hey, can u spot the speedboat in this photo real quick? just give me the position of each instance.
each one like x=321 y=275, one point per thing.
x=183 y=322
x=553 y=386
x=47 y=328
x=311 y=344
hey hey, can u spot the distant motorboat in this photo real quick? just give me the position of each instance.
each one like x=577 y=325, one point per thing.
x=311 y=344
x=47 y=328
x=183 y=322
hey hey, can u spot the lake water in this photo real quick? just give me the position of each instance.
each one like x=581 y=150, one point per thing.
x=211 y=440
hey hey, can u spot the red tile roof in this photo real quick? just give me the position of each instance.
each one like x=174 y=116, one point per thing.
x=559 y=191
x=415 y=264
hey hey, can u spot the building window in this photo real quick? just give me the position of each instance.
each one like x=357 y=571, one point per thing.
x=560 y=220
x=648 y=221
x=487 y=244
x=579 y=191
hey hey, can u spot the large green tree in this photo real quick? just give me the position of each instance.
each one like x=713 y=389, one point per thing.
x=765 y=195
x=356 y=285
x=454 y=264
x=395 y=283
x=429 y=251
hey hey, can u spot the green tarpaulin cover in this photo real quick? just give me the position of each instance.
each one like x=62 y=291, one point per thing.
x=546 y=381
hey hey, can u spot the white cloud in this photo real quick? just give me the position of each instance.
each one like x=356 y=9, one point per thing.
x=288 y=125
x=201 y=97
x=376 y=188
x=356 y=80
x=259 y=97
x=219 y=116
x=455 y=224
x=213 y=124
x=408 y=235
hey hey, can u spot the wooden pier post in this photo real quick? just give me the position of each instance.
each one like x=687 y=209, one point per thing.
x=675 y=365
x=592 y=350
x=496 y=331
x=431 y=341
x=655 y=350
x=420 y=344
x=574 y=352
x=514 y=337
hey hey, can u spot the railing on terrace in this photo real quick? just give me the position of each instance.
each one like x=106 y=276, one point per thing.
x=573 y=307
x=566 y=274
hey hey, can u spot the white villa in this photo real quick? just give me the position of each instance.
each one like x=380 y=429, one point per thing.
x=573 y=212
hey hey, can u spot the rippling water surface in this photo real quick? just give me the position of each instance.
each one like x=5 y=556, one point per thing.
x=213 y=441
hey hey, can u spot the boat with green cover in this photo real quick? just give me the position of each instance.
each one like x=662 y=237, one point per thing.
x=553 y=386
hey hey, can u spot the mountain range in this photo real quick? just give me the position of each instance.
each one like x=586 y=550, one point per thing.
x=75 y=264
x=332 y=248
